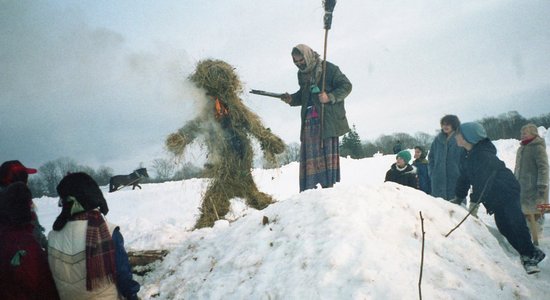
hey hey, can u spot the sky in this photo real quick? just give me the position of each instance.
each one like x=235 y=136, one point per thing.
x=104 y=82
x=361 y=239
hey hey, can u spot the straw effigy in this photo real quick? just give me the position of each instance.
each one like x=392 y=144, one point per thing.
x=226 y=125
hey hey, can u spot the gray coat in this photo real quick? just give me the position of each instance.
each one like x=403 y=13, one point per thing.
x=532 y=173
x=443 y=167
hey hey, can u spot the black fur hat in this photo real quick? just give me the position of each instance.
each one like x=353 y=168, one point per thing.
x=85 y=190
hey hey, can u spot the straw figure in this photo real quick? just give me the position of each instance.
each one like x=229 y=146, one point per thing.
x=225 y=125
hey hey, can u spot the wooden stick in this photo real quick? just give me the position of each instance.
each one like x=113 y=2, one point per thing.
x=421 y=258
x=472 y=209
x=323 y=86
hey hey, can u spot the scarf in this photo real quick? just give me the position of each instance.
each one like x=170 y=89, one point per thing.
x=100 y=250
x=527 y=141
x=314 y=66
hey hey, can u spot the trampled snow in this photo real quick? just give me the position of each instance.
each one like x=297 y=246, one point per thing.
x=361 y=239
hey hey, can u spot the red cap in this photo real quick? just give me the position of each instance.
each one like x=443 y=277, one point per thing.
x=10 y=169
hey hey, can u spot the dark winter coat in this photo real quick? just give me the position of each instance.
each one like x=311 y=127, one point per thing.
x=24 y=270
x=444 y=158
x=407 y=176
x=532 y=173
x=481 y=167
x=337 y=87
x=424 y=183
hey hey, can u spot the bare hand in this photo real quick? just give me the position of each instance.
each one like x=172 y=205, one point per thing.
x=286 y=98
x=323 y=98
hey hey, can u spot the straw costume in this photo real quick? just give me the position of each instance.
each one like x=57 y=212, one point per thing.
x=225 y=123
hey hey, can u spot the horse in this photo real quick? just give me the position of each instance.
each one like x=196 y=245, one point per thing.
x=131 y=179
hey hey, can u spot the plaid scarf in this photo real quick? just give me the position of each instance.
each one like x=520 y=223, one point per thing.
x=100 y=250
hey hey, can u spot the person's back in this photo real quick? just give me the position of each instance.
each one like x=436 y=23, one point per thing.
x=24 y=270
x=83 y=250
x=14 y=171
x=67 y=258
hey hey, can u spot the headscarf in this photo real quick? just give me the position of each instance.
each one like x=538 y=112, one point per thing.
x=314 y=64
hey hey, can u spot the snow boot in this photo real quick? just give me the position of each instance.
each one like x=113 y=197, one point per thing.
x=530 y=263
x=530 y=268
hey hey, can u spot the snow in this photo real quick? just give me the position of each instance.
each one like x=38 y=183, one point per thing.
x=361 y=239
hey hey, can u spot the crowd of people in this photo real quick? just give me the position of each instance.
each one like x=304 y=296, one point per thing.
x=84 y=257
x=462 y=159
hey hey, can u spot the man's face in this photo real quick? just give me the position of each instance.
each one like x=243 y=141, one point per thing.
x=299 y=61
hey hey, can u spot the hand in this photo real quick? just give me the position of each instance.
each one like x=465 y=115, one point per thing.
x=286 y=98
x=323 y=98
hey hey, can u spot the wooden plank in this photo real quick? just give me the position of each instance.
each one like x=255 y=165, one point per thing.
x=145 y=257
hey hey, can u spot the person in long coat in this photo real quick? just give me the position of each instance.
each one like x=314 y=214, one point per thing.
x=497 y=188
x=323 y=117
x=532 y=171
x=444 y=158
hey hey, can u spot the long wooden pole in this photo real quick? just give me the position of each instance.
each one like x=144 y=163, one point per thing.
x=323 y=86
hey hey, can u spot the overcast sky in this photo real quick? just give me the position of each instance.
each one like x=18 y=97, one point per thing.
x=104 y=82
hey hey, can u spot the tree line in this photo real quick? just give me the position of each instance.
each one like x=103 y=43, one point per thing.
x=504 y=126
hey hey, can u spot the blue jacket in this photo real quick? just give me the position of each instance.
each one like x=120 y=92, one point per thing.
x=424 y=183
x=481 y=167
x=443 y=161
x=126 y=285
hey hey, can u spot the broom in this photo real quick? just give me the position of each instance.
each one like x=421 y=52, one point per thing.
x=329 y=8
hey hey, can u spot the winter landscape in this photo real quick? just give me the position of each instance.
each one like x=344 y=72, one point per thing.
x=361 y=239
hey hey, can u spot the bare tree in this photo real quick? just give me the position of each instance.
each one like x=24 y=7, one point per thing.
x=291 y=153
x=164 y=168
x=50 y=174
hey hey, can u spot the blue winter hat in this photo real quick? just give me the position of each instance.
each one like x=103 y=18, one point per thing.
x=405 y=155
x=473 y=132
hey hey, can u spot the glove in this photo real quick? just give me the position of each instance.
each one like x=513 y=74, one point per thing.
x=458 y=200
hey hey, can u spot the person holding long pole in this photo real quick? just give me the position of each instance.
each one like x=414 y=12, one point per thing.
x=320 y=128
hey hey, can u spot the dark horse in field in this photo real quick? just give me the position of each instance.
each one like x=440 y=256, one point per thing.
x=131 y=179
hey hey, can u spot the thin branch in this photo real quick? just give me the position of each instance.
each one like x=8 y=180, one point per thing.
x=421 y=258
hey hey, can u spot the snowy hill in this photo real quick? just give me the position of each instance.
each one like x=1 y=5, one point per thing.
x=359 y=240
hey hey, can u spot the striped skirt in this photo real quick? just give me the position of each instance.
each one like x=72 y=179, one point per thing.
x=318 y=165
